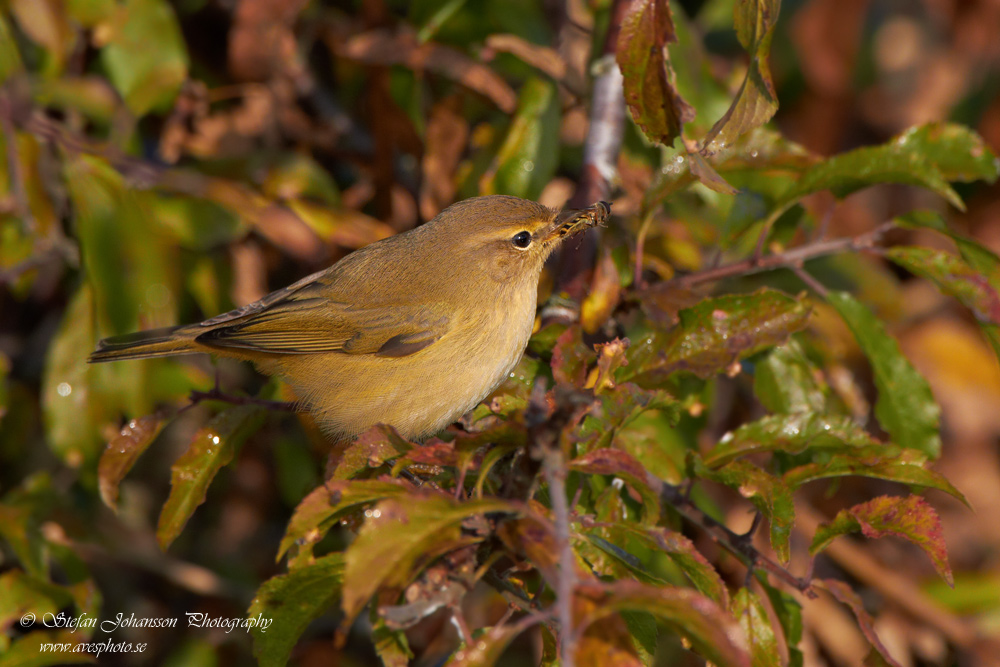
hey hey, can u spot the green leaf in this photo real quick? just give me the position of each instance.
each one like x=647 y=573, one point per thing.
x=793 y=434
x=707 y=175
x=79 y=399
x=772 y=496
x=911 y=518
x=211 y=448
x=715 y=333
x=20 y=530
x=785 y=381
x=291 y=602
x=980 y=258
x=22 y=593
x=756 y=102
x=391 y=645
x=650 y=89
x=327 y=503
x=618 y=463
x=710 y=629
x=618 y=408
x=373 y=448
x=929 y=156
x=905 y=407
x=10 y=57
x=953 y=277
x=400 y=536
x=123 y=451
x=889 y=462
x=788 y=612
x=119 y=237
x=621 y=540
x=753 y=618
x=528 y=158
x=147 y=78
x=28 y=651
x=957 y=151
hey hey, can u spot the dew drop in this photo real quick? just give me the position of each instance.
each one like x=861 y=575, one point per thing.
x=528 y=165
x=64 y=389
x=215 y=439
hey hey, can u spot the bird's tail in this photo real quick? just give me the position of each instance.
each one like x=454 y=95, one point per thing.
x=143 y=345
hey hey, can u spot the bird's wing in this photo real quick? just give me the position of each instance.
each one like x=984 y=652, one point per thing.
x=297 y=325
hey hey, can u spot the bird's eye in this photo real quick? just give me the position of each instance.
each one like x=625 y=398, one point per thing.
x=521 y=239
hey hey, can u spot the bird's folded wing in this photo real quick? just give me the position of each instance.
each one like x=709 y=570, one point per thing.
x=312 y=326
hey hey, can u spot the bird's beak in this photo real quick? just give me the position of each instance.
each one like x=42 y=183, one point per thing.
x=570 y=222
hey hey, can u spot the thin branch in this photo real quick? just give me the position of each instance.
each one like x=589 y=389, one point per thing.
x=554 y=468
x=600 y=159
x=810 y=281
x=739 y=545
x=216 y=395
x=788 y=259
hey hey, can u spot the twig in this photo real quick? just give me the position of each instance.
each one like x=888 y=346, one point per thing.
x=808 y=279
x=788 y=259
x=216 y=395
x=600 y=159
x=739 y=545
x=554 y=468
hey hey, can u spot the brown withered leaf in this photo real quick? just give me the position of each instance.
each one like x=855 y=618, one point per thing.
x=533 y=538
x=444 y=142
x=400 y=47
x=262 y=42
x=542 y=58
x=662 y=301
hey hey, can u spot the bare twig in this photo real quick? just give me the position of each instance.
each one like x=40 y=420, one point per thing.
x=788 y=259
x=809 y=280
x=554 y=467
x=600 y=159
x=216 y=395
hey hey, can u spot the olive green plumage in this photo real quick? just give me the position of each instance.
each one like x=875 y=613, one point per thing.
x=411 y=331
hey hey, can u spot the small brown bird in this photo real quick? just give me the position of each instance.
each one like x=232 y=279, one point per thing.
x=412 y=331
